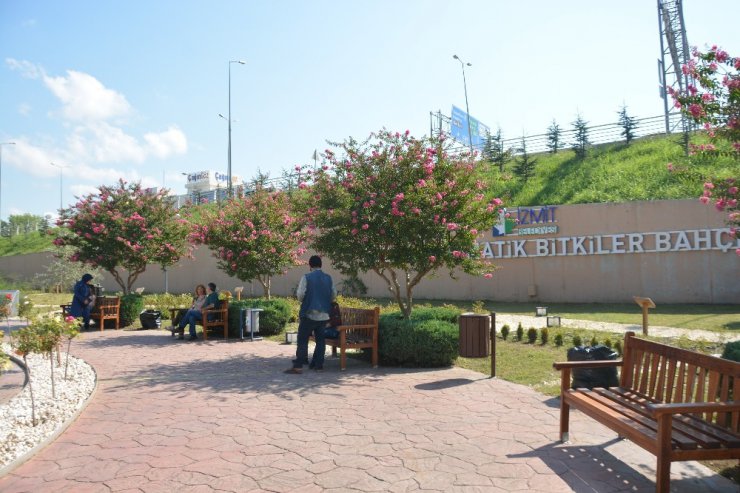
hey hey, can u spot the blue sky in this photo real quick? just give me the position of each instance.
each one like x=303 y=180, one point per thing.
x=132 y=89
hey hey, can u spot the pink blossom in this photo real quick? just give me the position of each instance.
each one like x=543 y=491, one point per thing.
x=704 y=199
x=708 y=185
x=670 y=166
x=488 y=275
x=69 y=319
x=432 y=258
x=451 y=226
x=732 y=190
x=473 y=231
x=355 y=231
x=365 y=226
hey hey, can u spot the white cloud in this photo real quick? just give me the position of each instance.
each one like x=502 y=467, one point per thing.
x=27 y=69
x=111 y=144
x=24 y=109
x=164 y=144
x=85 y=98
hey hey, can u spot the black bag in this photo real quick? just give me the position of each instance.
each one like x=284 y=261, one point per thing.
x=150 y=319
x=593 y=377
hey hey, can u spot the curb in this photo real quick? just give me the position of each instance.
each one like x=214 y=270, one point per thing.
x=8 y=468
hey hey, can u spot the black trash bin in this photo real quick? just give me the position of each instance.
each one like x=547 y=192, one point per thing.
x=150 y=319
x=593 y=377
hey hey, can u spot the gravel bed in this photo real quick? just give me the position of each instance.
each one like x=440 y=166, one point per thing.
x=17 y=433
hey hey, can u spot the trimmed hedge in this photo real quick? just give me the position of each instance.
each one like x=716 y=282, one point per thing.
x=417 y=342
x=732 y=351
x=435 y=313
x=131 y=306
x=276 y=315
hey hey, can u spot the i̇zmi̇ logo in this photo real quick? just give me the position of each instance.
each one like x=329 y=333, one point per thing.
x=526 y=221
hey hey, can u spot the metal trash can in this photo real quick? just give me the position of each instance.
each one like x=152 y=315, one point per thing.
x=593 y=377
x=475 y=335
x=249 y=320
x=150 y=319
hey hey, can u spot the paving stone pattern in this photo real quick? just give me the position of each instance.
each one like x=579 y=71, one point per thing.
x=175 y=416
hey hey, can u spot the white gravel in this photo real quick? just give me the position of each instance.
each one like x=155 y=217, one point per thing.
x=17 y=433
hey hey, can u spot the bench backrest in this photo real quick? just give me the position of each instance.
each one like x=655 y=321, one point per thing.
x=670 y=374
x=360 y=316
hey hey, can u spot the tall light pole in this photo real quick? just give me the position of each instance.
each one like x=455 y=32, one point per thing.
x=228 y=171
x=1 y=177
x=467 y=108
x=61 y=172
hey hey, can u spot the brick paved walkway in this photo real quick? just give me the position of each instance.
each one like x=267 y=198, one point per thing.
x=221 y=416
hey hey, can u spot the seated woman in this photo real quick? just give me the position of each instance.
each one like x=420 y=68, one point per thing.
x=181 y=319
x=83 y=300
x=193 y=316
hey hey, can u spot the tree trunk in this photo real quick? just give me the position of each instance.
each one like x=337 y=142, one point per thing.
x=266 y=283
x=30 y=391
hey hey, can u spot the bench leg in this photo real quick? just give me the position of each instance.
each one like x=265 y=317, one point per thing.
x=375 y=356
x=663 y=468
x=343 y=358
x=564 y=406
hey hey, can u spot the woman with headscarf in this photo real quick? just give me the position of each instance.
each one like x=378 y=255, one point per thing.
x=83 y=300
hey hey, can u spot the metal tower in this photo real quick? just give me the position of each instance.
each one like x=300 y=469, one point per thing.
x=674 y=54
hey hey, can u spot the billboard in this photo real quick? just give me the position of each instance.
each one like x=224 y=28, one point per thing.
x=459 y=128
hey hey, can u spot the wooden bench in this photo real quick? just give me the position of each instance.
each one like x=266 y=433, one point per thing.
x=212 y=319
x=676 y=404
x=359 y=330
x=106 y=308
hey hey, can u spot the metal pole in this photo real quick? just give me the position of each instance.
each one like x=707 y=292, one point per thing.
x=467 y=108
x=493 y=344
x=61 y=169
x=228 y=171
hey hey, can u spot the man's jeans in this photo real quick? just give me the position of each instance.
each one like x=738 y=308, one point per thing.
x=305 y=328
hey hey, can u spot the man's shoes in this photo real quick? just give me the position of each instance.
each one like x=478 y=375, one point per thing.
x=294 y=371
x=318 y=370
x=181 y=337
x=192 y=338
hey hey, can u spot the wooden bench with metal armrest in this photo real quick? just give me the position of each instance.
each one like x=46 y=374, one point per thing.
x=678 y=405
x=359 y=330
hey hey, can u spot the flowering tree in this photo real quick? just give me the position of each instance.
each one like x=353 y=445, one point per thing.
x=256 y=237
x=124 y=227
x=400 y=207
x=714 y=102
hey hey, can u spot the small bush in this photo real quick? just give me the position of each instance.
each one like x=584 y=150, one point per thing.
x=162 y=302
x=447 y=314
x=558 y=339
x=594 y=341
x=618 y=347
x=418 y=343
x=505 y=331
x=544 y=335
x=532 y=335
x=732 y=351
x=608 y=343
x=131 y=306
x=273 y=319
x=25 y=306
x=519 y=332
x=577 y=341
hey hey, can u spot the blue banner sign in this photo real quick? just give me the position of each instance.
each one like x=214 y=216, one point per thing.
x=459 y=128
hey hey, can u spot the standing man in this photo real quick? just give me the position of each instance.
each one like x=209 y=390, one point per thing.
x=315 y=292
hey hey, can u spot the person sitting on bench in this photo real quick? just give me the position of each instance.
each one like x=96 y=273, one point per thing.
x=199 y=299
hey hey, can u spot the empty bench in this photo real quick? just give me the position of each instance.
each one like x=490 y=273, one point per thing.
x=678 y=405
x=359 y=330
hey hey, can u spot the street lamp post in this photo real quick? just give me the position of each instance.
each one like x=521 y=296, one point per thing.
x=228 y=171
x=1 y=177
x=467 y=108
x=61 y=172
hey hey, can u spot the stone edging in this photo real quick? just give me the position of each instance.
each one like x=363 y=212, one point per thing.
x=8 y=468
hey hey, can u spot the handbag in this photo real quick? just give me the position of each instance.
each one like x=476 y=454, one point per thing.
x=335 y=315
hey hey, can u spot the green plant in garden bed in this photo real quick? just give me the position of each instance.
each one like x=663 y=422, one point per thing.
x=277 y=312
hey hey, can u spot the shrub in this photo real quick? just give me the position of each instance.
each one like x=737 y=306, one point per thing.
x=505 y=331
x=446 y=314
x=131 y=306
x=519 y=332
x=732 y=351
x=25 y=307
x=544 y=335
x=618 y=347
x=558 y=339
x=594 y=341
x=162 y=302
x=418 y=343
x=608 y=343
x=532 y=335
x=273 y=319
x=577 y=341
